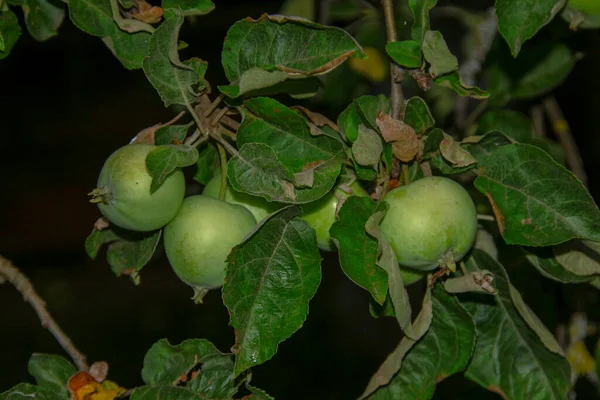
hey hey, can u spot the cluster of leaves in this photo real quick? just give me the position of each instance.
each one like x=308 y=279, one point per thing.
x=294 y=156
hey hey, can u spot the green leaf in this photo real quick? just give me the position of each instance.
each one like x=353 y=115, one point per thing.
x=190 y=7
x=255 y=82
x=95 y=18
x=367 y=148
x=420 y=10
x=444 y=350
x=164 y=393
x=437 y=54
x=25 y=391
x=51 y=372
x=92 y=16
x=549 y=69
x=512 y=123
x=386 y=259
x=207 y=164
x=581 y=257
x=417 y=115
x=258 y=394
x=127 y=252
x=10 y=31
x=406 y=53
x=454 y=82
x=483 y=147
x=129 y=49
x=509 y=356
x=358 y=250
x=171 y=134
x=520 y=20
x=499 y=85
x=542 y=258
x=363 y=110
x=279 y=158
x=165 y=364
x=286 y=132
x=257 y=170
x=517 y=126
x=394 y=360
x=163 y=160
x=270 y=279
x=175 y=82
x=261 y=53
x=537 y=201
x=42 y=18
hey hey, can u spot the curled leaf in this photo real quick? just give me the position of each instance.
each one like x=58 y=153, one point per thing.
x=368 y=147
x=479 y=281
x=406 y=145
x=454 y=153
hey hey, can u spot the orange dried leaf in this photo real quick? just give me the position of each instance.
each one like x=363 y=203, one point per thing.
x=83 y=386
x=149 y=16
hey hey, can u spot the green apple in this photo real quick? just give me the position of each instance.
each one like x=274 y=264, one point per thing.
x=200 y=238
x=431 y=222
x=258 y=206
x=321 y=214
x=123 y=191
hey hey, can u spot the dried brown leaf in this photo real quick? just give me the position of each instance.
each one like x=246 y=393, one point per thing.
x=452 y=151
x=406 y=145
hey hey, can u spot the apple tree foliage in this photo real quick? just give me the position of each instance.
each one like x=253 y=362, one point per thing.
x=473 y=321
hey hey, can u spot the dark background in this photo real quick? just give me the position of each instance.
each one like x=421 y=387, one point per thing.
x=65 y=105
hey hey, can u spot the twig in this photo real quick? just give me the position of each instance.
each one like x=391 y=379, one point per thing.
x=405 y=174
x=485 y=33
x=563 y=132
x=192 y=138
x=484 y=217
x=426 y=168
x=537 y=116
x=223 y=163
x=12 y=274
x=217 y=117
x=214 y=105
x=396 y=72
x=475 y=114
x=199 y=141
x=227 y=132
x=324 y=12
x=232 y=123
x=196 y=118
x=230 y=149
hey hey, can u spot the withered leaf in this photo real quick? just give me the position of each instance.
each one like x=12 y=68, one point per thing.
x=454 y=153
x=406 y=145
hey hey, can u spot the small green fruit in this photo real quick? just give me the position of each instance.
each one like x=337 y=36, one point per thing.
x=320 y=214
x=258 y=206
x=123 y=191
x=431 y=222
x=200 y=238
x=410 y=276
x=590 y=7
